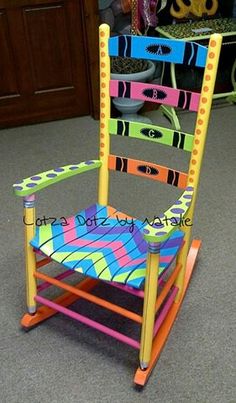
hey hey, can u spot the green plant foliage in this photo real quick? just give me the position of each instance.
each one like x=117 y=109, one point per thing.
x=120 y=65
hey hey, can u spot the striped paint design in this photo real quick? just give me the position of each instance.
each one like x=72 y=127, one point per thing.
x=158 y=134
x=148 y=170
x=158 y=49
x=111 y=252
x=155 y=93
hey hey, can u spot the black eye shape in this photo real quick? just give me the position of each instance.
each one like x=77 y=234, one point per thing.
x=153 y=93
x=159 y=49
x=146 y=169
x=151 y=133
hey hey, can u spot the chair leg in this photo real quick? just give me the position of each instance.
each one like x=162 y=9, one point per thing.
x=150 y=295
x=30 y=263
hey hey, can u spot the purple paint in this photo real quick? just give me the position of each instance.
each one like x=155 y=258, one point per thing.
x=174 y=220
x=146 y=231
x=160 y=233
x=187 y=204
x=158 y=225
x=59 y=170
x=31 y=185
x=178 y=202
x=35 y=178
x=177 y=211
x=73 y=167
x=51 y=175
x=89 y=162
x=18 y=187
x=187 y=196
x=189 y=188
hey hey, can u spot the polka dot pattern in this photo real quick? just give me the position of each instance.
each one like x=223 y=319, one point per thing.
x=104 y=88
x=34 y=183
x=59 y=169
x=51 y=175
x=36 y=178
x=202 y=110
x=170 y=220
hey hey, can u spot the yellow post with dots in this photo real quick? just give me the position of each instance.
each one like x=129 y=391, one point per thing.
x=31 y=284
x=200 y=133
x=105 y=110
x=150 y=296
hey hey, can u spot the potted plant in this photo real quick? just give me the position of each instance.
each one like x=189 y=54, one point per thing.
x=126 y=69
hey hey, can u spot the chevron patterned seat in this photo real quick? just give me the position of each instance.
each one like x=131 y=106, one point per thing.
x=103 y=243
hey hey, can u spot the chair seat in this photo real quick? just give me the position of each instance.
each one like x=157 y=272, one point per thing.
x=103 y=243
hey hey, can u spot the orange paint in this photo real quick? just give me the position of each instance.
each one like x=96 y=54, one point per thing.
x=89 y=297
x=162 y=176
x=66 y=299
x=159 y=341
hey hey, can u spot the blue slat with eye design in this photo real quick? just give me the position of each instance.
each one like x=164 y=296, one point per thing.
x=158 y=49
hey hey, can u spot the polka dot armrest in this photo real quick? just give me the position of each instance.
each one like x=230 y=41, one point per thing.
x=37 y=182
x=164 y=225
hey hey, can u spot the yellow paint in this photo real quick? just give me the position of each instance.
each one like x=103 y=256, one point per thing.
x=150 y=295
x=200 y=133
x=105 y=106
x=31 y=285
x=196 y=7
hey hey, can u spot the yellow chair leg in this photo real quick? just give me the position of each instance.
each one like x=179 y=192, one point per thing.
x=150 y=295
x=31 y=284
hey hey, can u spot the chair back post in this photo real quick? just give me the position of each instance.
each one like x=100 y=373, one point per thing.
x=201 y=127
x=105 y=111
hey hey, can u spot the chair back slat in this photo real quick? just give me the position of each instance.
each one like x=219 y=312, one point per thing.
x=155 y=93
x=148 y=170
x=158 y=134
x=158 y=49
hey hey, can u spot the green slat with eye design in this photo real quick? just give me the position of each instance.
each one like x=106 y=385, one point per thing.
x=159 y=134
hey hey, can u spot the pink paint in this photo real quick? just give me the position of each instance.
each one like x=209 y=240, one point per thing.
x=89 y=322
x=165 y=259
x=30 y=198
x=161 y=316
x=157 y=94
x=70 y=232
x=60 y=276
x=129 y=290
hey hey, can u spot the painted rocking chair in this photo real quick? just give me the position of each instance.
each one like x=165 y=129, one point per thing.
x=138 y=262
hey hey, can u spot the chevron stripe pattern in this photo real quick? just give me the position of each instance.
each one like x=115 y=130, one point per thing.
x=103 y=243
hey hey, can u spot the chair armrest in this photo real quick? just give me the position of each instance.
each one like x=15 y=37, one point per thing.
x=163 y=226
x=37 y=182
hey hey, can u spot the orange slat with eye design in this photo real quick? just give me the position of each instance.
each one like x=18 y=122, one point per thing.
x=148 y=170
